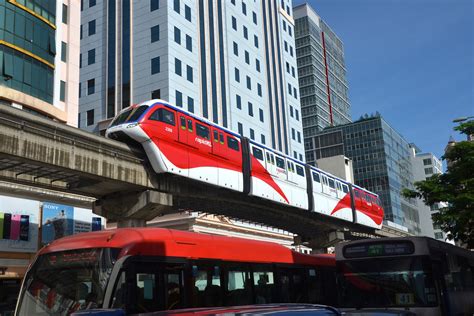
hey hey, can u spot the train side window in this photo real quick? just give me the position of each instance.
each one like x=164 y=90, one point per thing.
x=316 y=177
x=202 y=131
x=289 y=166
x=325 y=180
x=338 y=185
x=216 y=136
x=280 y=163
x=221 y=138
x=232 y=143
x=190 y=125
x=182 y=120
x=331 y=184
x=272 y=158
x=345 y=188
x=357 y=193
x=257 y=153
x=163 y=115
x=137 y=113
x=268 y=158
x=300 y=170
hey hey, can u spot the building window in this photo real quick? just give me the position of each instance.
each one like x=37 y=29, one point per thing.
x=438 y=235
x=237 y=74
x=293 y=133
x=90 y=86
x=236 y=49
x=62 y=91
x=291 y=51
x=299 y=137
x=80 y=33
x=90 y=117
x=301 y=157
x=80 y=88
x=155 y=33
x=289 y=89
x=234 y=23
x=250 y=109
x=262 y=139
x=187 y=13
x=80 y=60
x=427 y=161
x=176 y=6
x=177 y=35
x=257 y=65
x=287 y=67
x=189 y=73
x=247 y=57
x=155 y=65
x=156 y=94
x=179 y=99
x=286 y=46
x=244 y=8
x=246 y=33
x=295 y=94
x=154 y=5
x=255 y=41
x=254 y=15
x=260 y=111
x=92 y=3
x=64 y=13
x=91 y=57
x=189 y=43
x=291 y=111
x=238 y=99
x=428 y=171
x=63 y=51
x=259 y=89
x=249 y=83
x=91 y=27
x=284 y=25
x=252 y=134
x=297 y=114
x=177 y=66
x=240 y=128
x=289 y=30
x=295 y=154
x=190 y=104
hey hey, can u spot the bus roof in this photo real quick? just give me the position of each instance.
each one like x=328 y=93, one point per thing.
x=174 y=243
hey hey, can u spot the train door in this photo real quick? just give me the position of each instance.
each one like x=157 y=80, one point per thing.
x=358 y=200
x=260 y=173
x=183 y=130
x=325 y=184
x=281 y=178
x=203 y=165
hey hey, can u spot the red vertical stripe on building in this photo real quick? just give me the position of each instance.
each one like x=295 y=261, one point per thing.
x=327 y=79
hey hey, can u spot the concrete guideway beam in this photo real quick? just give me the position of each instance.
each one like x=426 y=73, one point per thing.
x=134 y=208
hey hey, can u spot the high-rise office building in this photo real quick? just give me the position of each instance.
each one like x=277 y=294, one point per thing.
x=426 y=165
x=39 y=57
x=381 y=161
x=232 y=62
x=321 y=71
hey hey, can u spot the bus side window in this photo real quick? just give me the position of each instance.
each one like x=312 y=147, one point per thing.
x=238 y=287
x=264 y=285
x=207 y=289
x=146 y=292
x=119 y=299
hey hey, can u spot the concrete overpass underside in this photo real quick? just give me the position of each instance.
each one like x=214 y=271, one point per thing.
x=118 y=182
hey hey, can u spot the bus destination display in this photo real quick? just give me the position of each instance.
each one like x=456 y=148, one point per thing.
x=378 y=249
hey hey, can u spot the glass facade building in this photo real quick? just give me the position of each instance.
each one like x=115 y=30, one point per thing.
x=28 y=47
x=381 y=162
x=321 y=71
x=232 y=62
x=38 y=57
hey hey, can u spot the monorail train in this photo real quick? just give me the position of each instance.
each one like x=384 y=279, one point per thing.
x=179 y=142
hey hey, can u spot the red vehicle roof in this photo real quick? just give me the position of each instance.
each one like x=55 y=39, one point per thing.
x=174 y=243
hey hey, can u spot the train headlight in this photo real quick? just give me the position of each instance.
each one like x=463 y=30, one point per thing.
x=132 y=125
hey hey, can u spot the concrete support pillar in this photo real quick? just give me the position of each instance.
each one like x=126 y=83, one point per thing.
x=134 y=209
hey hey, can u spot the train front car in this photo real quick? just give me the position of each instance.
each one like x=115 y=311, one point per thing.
x=176 y=141
x=277 y=177
x=369 y=211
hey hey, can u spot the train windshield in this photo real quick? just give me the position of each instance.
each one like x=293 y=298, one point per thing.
x=387 y=282
x=61 y=283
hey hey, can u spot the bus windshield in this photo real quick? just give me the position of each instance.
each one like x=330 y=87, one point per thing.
x=387 y=282
x=60 y=283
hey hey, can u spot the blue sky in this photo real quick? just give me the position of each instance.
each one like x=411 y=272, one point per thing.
x=411 y=60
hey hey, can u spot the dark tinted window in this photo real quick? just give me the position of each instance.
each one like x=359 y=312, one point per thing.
x=257 y=153
x=190 y=125
x=345 y=188
x=280 y=163
x=137 y=113
x=202 y=131
x=331 y=183
x=316 y=177
x=121 y=118
x=232 y=143
x=300 y=170
x=182 y=120
x=163 y=115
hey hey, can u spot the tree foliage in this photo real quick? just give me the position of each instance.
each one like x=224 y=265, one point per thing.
x=455 y=188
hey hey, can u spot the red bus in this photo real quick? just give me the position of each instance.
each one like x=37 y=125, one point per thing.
x=151 y=269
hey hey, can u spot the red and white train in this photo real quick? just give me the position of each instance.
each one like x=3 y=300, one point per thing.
x=179 y=142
